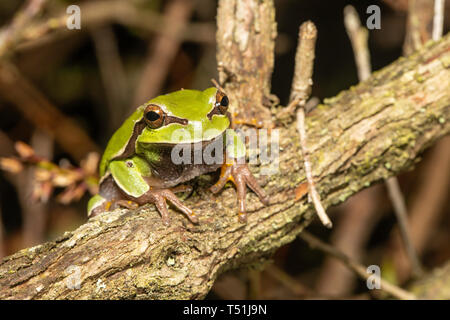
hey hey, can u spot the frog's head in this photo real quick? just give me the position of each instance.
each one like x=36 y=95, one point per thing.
x=185 y=116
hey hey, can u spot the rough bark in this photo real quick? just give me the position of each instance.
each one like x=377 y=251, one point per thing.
x=365 y=134
x=246 y=32
x=435 y=285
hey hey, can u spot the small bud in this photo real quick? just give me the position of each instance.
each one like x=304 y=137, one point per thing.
x=24 y=150
x=11 y=165
x=90 y=164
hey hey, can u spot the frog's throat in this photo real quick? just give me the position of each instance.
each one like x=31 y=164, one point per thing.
x=169 y=168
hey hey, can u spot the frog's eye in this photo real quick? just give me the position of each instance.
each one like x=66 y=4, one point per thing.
x=154 y=116
x=222 y=102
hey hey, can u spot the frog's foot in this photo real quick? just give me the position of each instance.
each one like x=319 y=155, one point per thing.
x=159 y=197
x=240 y=175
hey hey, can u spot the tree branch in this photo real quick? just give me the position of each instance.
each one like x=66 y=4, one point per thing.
x=10 y=34
x=372 y=131
x=97 y=13
x=246 y=32
x=37 y=109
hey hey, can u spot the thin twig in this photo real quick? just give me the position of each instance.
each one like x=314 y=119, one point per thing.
x=6 y=148
x=359 y=213
x=304 y=63
x=36 y=108
x=412 y=39
x=359 y=269
x=163 y=51
x=301 y=89
x=358 y=36
x=350 y=235
x=22 y=18
x=438 y=19
x=112 y=73
x=288 y=281
x=428 y=207
x=217 y=85
x=315 y=197
x=34 y=213
x=229 y=287
x=127 y=13
x=398 y=201
x=420 y=16
x=425 y=210
x=254 y=291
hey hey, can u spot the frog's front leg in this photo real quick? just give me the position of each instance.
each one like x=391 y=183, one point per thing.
x=130 y=175
x=241 y=176
x=159 y=197
x=236 y=170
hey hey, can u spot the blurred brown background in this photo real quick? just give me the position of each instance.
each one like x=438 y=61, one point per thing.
x=123 y=55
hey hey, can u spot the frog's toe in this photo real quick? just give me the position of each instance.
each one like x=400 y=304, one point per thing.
x=181 y=188
x=242 y=216
x=241 y=177
x=225 y=176
x=256 y=188
x=161 y=205
x=169 y=195
x=217 y=186
x=159 y=197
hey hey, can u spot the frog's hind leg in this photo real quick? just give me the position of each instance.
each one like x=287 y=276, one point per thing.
x=96 y=205
x=181 y=188
x=108 y=199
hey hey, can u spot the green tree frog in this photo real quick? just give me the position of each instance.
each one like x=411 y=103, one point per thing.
x=167 y=141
